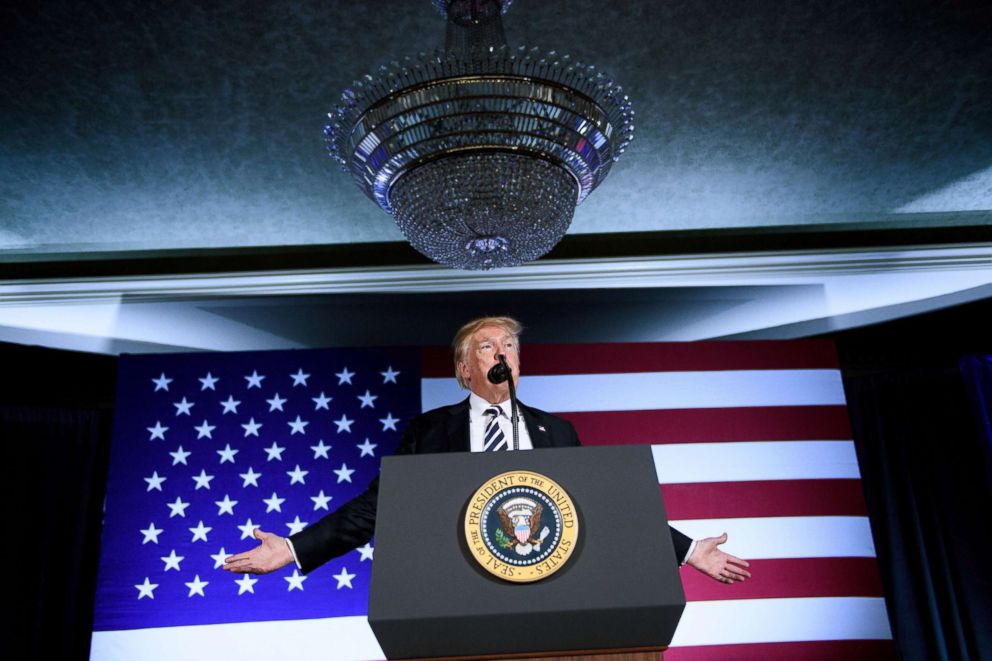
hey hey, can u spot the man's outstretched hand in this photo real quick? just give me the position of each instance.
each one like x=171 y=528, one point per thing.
x=716 y=564
x=272 y=554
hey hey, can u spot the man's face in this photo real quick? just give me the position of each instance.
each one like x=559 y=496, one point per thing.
x=487 y=343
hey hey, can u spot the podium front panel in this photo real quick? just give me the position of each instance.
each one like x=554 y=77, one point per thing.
x=619 y=589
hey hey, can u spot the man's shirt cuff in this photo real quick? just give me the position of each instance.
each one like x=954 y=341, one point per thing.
x=688 y=554
x=300 y=567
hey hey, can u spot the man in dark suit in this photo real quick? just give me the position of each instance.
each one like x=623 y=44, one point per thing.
x=480 y=423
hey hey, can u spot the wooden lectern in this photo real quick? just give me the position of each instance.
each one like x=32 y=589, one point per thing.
x=619 y=596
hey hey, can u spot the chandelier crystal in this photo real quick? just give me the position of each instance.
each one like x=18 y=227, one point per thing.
x=479 y=151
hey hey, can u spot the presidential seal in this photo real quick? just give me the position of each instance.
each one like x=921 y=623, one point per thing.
x=521 y=526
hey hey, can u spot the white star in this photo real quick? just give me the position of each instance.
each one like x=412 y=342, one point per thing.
x=225 y=506
x=183 y=407
x=172 y=560
x=247 y=529
x=227 y=454
x=274 y=452
x=344 y=376
x=230 y=406
x=344 y=424
x=178 y=508
x=389 y=376
x=147 y=588
x=297 y=475
x=273 y=503
x=151 y=533
x=251 y=429
x=200 y=531
x=298 y=426
x=344 y=578
x=389 y=422
x=299 y=379
x=366 y=552
x=245 y=584
x=162 y=383
x=320 y=450
x=219 y=558
x=196 y=587
x=251 y=477
x=344 y=473
x=320 y=501
x=255 y=380
x=368 y=399
x=296 y=525
x=202 y=480
x=158 y=431
x=179 y=456
x=155 y=482
x=205 y=430
x=295 y=581
x=321 y=402
x=276 y=403
x=207 y=382
x=368 y=449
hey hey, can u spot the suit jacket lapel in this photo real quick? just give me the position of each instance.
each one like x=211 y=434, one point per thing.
x=457 y=428
x=540 y=436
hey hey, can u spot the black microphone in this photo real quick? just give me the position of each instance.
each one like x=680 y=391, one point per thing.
x=499 y=372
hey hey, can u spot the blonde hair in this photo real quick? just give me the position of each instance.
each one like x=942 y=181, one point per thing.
x=463 y=338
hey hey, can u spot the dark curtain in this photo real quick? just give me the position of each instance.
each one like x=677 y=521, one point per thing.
x=977 y=373
x=925 y=470
x=56 y=461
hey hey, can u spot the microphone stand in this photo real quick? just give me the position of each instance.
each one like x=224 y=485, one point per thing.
x=514 y=415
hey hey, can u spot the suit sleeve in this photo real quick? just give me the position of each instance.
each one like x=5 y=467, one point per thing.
x=347 y=527
x=680 y=541
x=344 y=529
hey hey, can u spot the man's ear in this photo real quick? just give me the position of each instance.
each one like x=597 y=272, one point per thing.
x=464 y=371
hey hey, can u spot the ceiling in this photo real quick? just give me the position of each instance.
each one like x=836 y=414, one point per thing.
x=132 y=126
x=164 y=186
x=772 y=295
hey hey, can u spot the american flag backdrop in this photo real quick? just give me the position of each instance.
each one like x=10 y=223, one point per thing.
x=749 y=438
x=208 y=446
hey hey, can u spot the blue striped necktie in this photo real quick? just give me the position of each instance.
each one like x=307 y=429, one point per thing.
x=494 y=439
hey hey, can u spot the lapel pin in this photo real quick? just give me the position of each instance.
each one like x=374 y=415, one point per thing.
x=541 y=427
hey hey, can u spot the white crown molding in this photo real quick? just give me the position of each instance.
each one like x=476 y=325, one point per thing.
x=796 y=267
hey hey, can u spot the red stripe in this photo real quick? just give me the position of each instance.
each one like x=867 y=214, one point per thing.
x=758 y=423
x=437 y=362
x=791 y=577
x=615 y=358
x=827 y=650
x=725 y=500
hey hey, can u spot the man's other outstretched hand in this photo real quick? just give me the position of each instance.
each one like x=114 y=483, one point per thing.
x=716 y=564
x=272 y=554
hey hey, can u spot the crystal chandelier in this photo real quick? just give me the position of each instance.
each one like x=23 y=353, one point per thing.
x=480 y=152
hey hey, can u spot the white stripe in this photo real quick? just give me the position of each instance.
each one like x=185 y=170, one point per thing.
x=738 y=621
x=759 y=460
x=758 y=538
x=326 y=639
x=662 y=390
x=742 y=621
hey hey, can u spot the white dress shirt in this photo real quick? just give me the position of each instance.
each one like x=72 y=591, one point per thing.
x=478 y=421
